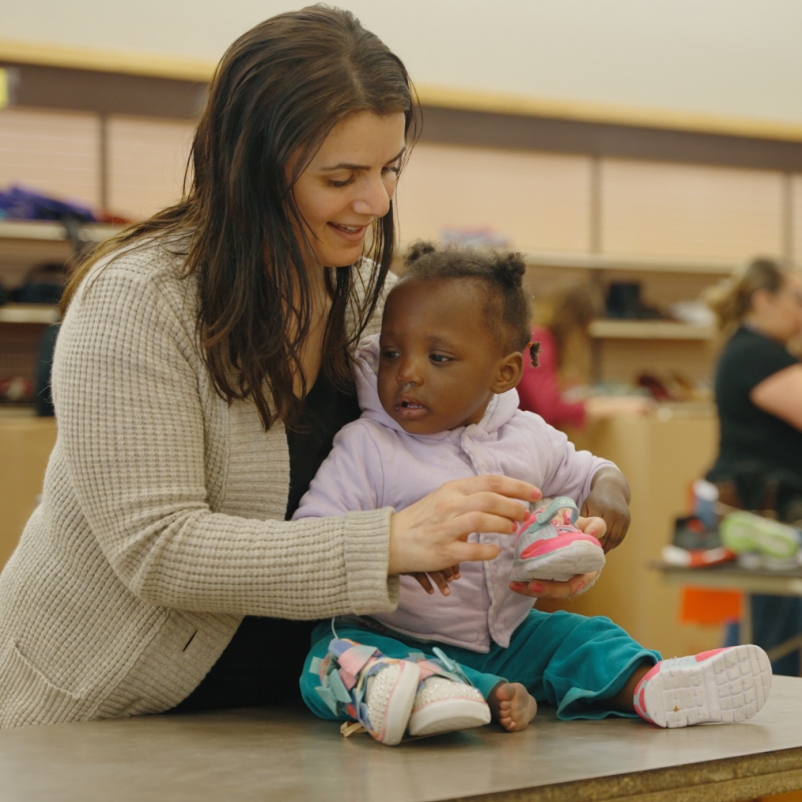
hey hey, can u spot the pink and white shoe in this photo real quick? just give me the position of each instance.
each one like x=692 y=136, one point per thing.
x=722 y=686
x=549 y=546
x=446 y=700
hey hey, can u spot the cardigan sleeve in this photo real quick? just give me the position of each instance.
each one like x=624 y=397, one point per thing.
x=126 y=381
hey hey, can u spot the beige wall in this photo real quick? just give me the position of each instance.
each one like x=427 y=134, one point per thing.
x=59 y=153
x=53 y=151
x=731 y=57
x=676 y=210
x=540 y=201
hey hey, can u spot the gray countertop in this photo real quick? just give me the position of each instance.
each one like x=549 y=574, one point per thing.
x=287 y=754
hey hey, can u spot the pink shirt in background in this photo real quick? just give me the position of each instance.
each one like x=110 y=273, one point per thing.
x=539 y=390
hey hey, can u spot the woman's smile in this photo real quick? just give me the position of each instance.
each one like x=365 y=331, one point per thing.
x=350 y=233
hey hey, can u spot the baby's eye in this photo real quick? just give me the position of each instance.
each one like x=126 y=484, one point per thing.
x=389 y=353
x=439 y=358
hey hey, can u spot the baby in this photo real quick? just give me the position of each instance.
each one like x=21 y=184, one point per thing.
x=438 y=403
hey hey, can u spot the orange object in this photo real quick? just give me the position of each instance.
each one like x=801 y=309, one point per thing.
x=710 y=607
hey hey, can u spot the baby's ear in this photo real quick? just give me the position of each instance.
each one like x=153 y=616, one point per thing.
x=510 y=370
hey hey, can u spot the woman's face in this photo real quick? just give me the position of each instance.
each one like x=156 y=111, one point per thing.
x=349 y=184
x=780 y=314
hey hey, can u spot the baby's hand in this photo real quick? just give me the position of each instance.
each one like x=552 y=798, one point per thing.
x=440 y=578
x=592 y=526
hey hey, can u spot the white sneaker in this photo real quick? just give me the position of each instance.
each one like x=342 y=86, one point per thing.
x=722 y=686
x=442 y=705
x=389 y=697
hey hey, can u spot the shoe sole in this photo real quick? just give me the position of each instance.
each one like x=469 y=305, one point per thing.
x=449 y=715
x=399 y=703
x=581 y=557
x=743 y=531
x=727 y=688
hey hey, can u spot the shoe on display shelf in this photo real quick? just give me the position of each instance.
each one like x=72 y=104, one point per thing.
x=759 y=541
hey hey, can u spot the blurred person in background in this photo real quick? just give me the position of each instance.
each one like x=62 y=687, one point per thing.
x=758 y=389
x=566 y=313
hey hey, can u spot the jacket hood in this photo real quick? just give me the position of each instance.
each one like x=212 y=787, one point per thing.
x=366 y=366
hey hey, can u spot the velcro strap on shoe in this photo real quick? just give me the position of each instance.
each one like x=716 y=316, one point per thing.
x=559 y=503
x=343 y=676
x=442 y=666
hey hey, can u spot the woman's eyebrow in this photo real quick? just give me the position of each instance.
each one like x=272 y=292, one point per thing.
x=346 y=166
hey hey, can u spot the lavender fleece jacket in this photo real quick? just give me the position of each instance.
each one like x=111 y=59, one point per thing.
x=374 y=463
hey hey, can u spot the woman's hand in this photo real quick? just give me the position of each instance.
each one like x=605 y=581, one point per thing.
x=431 y=534
x=609 y=499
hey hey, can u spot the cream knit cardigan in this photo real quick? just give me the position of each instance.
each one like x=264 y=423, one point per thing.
x=162 y=519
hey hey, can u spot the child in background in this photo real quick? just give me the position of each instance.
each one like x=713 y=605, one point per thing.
x=564 y=319
x=438 y=402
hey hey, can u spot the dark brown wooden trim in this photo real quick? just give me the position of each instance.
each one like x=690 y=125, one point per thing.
x=107 y=93
x=36 y=86
x=485 y=129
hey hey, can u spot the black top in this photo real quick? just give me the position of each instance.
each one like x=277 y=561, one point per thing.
x=750 y=437
x=262 y=664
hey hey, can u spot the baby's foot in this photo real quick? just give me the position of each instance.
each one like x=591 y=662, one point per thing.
x=511 y=706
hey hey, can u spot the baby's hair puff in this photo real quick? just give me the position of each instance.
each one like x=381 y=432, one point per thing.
x=507 y=308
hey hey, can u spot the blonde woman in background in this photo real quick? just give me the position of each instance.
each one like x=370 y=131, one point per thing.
x=565 y=314
x=758 y=389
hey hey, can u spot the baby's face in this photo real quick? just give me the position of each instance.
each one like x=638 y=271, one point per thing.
x=438 y=360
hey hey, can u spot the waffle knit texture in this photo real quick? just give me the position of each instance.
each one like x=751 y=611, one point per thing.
x=162 y=518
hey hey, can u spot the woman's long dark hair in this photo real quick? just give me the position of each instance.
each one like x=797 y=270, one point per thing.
x=277 y=93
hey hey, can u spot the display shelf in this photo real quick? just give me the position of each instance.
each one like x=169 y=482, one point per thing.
x=53 y=231
x=649 y=330
x=625 y=263
x=29 y=313
x=634 y=264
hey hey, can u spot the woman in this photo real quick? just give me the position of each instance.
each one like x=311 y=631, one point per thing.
x=759 y=398
x=202 y=370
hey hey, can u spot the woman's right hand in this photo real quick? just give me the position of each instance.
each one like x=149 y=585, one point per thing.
x=432 y=533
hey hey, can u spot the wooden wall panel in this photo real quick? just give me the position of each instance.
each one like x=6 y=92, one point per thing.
x=540 y=201
x=56 y=153
x=690 y=211
x=147 y=158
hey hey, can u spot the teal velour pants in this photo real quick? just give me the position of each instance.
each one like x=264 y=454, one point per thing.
x=571 y=662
